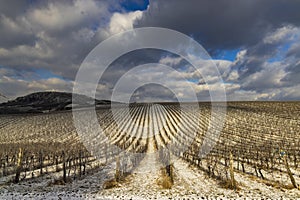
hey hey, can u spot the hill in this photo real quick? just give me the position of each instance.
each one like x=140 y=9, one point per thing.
x=41 y=102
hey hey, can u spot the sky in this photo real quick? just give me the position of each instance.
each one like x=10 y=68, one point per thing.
x=255 y=45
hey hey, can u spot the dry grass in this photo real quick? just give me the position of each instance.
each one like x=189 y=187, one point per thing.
x=110 y=184
x=165 y=181
x=227 y=184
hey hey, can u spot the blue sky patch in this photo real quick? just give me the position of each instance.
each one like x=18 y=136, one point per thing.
x=281 y=53
x=226 y=55
x=133 y=5
x=46 y=74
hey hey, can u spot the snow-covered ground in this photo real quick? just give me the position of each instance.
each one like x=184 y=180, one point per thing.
x=143 y=183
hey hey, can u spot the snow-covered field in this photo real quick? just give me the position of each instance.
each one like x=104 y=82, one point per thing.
x=247 y=126
x=189 y=183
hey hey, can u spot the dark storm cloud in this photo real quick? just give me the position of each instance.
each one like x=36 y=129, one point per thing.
x=293 y=75
x=134 y=59
x=263 y=29
x=11 y=33
x=294 y=51
x=153 y=92
x=56 y=36
x=255 y=58
x=52 y=35
x=269 y=64
x=222 y=23
x=13 y=7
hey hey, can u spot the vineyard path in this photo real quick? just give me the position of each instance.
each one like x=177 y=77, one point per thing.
x=147 y=173
x=143 y=179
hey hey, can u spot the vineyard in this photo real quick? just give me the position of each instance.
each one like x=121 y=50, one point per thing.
x=154 y=150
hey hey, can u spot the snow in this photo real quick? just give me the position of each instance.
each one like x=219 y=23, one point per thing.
x=190 y=182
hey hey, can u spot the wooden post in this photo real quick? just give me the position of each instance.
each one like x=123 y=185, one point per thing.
x=41 y=162
x=117 y=175
x=255 y=169
x=19 y=166
x=261 y=174
x=172 y=173
x=56 y=163
x=232 y=180
x=5 y=163
x=4 y=168
x=289 y=172
x=243 y=167
x=64 y=167
x=69 y=161
x=295 y=160
x=226 y=167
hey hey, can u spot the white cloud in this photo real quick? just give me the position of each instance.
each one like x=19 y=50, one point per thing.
x=59 y=15
x=242 y=95
x=170 y=60
x=284 y=33
x=123 y=21
x=39 y=51
x=60 y=34
x=269 y=77
x=57 y=35
x=233 y=76
x=240 y=57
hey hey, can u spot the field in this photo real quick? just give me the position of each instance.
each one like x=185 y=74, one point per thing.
x=154 y=153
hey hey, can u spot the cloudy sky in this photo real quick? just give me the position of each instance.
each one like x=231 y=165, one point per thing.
x=255 y=44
